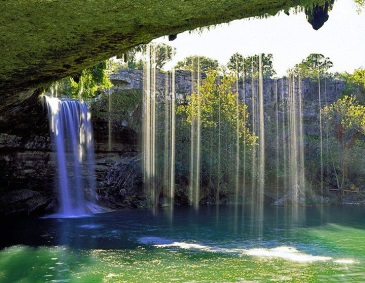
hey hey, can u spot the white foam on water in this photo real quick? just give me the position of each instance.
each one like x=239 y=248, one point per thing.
x=345 y=261
x=281 y=252
x=286 y=253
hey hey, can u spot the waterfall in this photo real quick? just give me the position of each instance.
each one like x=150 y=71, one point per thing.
x=277 y=141
x=195 y=139
x=258 y=128
x=261 y=157
x=149 y=125
x=237 y=140
x=284 y=135
x=254 y=130
x=244 y=138
x=109 y=120
x=296 y=180
x=73 y=140
x=169 y=139
x=158 y=140
x=320 y=130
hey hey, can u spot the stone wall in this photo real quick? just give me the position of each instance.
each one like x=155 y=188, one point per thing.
x=330 y=90
x=27 y=162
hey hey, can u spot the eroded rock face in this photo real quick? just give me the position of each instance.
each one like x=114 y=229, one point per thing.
x=27 y=172
x=28 y=164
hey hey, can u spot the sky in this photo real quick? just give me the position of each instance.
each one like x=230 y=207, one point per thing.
x=289 y=38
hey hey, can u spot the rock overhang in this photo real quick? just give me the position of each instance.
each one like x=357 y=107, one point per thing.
x=45 y=40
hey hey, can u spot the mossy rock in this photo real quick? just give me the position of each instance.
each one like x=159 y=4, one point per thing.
x=45 y=40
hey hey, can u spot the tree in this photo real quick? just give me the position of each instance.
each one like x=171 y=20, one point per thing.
x=216 y=99
x=236 y=63
x=355 y=83
x=191 y=64
x=222 y=117
x=250 y=65
x=360 y=4
x=162 y=53
x=347 y=116
x=131 y=57
x=313 y=66
x=86 y=83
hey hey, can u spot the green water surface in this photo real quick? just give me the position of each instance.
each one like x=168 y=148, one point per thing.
x=226 y=244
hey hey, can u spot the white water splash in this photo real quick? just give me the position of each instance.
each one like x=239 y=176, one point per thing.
x=281 y=252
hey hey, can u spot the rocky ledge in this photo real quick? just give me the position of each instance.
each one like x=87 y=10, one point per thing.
x=42 y=41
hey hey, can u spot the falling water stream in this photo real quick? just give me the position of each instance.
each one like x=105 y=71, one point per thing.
x=73 y=139
x=195 y=138
x=158 y=132
x=149 y=124
x=261 y=155
x=159 y=137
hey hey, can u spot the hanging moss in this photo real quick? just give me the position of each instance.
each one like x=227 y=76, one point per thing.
x=318 y=14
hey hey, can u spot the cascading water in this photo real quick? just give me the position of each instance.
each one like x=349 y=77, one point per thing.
x=277 y=141
x=254 y=130
x=258 y=127
x=109 y=120
x=320 y=129
x=73 y=140
x=244 y=137
x=284 y=135
x=296 y=179
x=237 y=139
x=261 y=156
x=149 y=124
x=159 y=139
x=158 y=132
x=195 y=146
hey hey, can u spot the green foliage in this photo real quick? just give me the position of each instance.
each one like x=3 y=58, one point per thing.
x=131 y=59
x=355 y=83
x=223 y=121
x=86 y=84
x=347 y=115
x=124 y=105
x=250 y=65
x=160 y=53
x=89 y=81
x=360 y=4
x=191 y=63
x=236 y=63
x=313 y=66
x=218 y=104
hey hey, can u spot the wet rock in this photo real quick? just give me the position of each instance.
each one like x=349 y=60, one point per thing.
x=318 y=14
x=24 y=202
